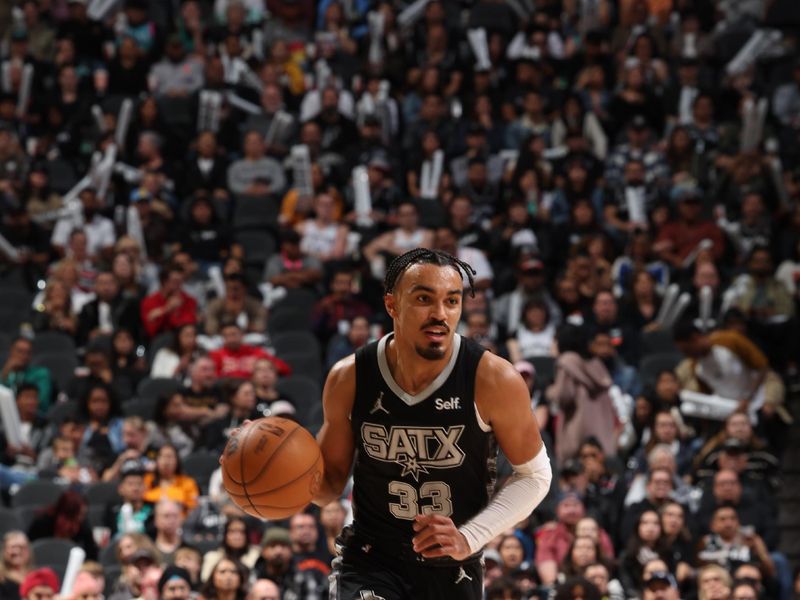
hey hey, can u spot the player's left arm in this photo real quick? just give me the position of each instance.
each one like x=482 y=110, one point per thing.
x=504 y=403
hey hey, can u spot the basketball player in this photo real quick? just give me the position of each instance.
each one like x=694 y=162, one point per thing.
x=416 y=415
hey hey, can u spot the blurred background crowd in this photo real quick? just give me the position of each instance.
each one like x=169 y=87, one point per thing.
x=199 y=200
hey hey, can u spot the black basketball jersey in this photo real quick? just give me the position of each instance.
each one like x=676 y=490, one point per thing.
x=421 y=454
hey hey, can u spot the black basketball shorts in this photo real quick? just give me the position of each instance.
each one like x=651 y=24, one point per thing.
x=363 y=573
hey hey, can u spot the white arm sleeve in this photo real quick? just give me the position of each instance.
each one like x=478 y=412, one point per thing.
x=513 y=503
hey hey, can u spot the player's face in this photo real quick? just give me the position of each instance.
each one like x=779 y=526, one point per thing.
x=426 y=308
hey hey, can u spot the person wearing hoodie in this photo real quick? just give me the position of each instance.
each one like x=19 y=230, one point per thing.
x=581 y=392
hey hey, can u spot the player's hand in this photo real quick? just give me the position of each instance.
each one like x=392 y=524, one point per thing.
x=437 y=536
x=233 y=434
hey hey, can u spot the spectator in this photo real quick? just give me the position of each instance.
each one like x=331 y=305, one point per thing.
x=176 y=584
x=174 y=360
x=358 y=334
x=234 y=545
x=100 y=236
x=236 y=359
x=644 y=545
x=264 y=589
x=169 y=307
x=291 y=267
x=580 y=391
x=269 y=399
x=604 y=491
x=536 y=334
x=713 y=583
x=16 y=563
x=657 y=492
x=103 y=436
x=32 y=433
x=170 y=425
x=275 y=562
x=39 y=584
x=135 y=441
x=553 y=539
x=255 y=174
x=323 y=237
x=66 y=519
x=130 y=513
x=205 y=236
x=679 y=239
x=168 y=482
x=507 y=309
x=203 y=397
x=109 y=311
x=729 y=364
x=168 y=521
x=660 y=585
x=340 y=306
x=55 y=312
x=17 y=370
x=236 y=305
x=242 y=400
x=228 y=581
x=178 y=74
x=408 y=235
x=677 y=540
x=728 y=545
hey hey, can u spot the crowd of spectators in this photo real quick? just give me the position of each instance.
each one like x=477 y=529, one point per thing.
x=199 y=200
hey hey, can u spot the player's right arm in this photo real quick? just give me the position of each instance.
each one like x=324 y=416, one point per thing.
x=335 y=438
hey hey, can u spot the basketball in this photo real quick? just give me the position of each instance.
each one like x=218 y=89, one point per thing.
x=272 y=468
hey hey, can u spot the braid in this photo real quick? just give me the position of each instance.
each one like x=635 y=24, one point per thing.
x=426 y=256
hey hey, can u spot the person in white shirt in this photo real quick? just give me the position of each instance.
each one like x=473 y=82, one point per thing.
x=100 y=234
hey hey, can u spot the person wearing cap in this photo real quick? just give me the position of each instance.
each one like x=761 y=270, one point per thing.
x=531 y=283
x=660 y=585
x=277 y=559
x=41 y=584
x=681 y=237
x=290 y=267
x=175 y=584
x=177 y=74
x=130 y=513
x=638 y=146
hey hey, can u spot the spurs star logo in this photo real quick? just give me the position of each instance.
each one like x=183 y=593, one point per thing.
x=370 y=595
x=378 y=405
x=462 y=574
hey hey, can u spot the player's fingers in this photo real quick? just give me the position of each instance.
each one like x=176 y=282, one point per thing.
x=432 y=537
x=443 y=547
x=421 y=521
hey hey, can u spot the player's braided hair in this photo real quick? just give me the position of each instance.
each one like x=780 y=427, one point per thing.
x=426 y=256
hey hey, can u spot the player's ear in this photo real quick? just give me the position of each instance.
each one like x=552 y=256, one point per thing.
x=389 y=303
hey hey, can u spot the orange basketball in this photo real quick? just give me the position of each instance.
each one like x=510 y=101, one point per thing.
x=272 y=468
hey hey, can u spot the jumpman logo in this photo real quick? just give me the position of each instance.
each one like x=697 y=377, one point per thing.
x=370 y=595
x=378 y=405
x=462 y=574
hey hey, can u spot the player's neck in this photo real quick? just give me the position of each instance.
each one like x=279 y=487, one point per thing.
x=409 y=370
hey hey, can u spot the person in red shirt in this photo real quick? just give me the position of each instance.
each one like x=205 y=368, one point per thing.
x=170 y=307
x=237 y=359
x=678 y=239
